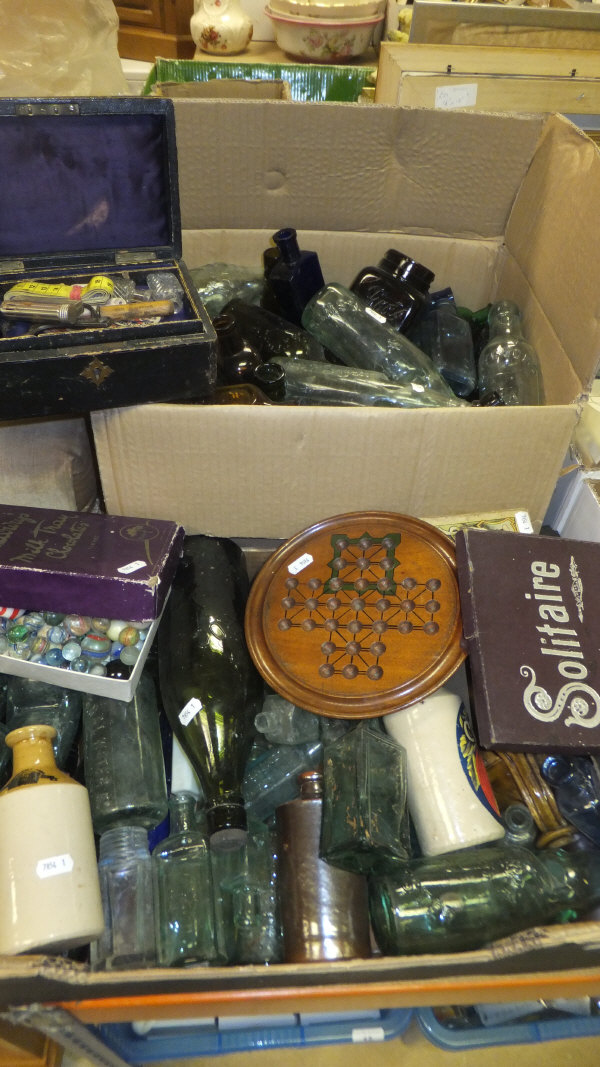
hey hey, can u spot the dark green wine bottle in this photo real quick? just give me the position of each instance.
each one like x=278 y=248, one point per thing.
x=210 y=689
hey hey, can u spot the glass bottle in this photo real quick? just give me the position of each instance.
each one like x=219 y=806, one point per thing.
x=464 y=900
x=248 y=923
x=576 y=789
x=360 y=337
x=184 y=916
x=272 y=336
x=210 y=688
x=29 y=702
x=49 y=888
x=244 y=393
x=396 y=288
x=520 y=828
x=515 y=777
x=294 y=276
x=447 y=339
x=449 y=795
x=125 y=869
x=217 y=283
x=271 y=778
x=334 y=384
x=365 y=814
x=508 y=364
x=270 y=379
x=325 y=909
x=283 y=723
x=236 y=359
x=123 y=758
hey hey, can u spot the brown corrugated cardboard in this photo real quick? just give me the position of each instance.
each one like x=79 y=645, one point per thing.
x=496 y=205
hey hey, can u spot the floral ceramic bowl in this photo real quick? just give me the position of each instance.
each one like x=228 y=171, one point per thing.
x=334 y=10
x=317 y=40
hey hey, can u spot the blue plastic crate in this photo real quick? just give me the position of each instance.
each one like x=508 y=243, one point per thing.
x=179 y=1039
x=455 y=1039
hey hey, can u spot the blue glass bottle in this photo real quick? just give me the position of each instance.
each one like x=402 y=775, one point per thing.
x=294 y=276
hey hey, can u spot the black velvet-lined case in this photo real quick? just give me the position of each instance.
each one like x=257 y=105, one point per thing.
x=89 y=186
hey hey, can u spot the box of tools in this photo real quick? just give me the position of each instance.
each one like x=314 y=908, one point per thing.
x=96 y=306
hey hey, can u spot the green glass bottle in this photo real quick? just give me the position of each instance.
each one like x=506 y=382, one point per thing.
x=210 y=688
x=464 y=900
x=184 y=916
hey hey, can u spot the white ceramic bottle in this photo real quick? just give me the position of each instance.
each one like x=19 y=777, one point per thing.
x=449 y=795
x=49 y=885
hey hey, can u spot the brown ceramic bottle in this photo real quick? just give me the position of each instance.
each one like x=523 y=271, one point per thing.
x=325 y=909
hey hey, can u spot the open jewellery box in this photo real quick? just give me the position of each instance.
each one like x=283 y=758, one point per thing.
x=88 y=187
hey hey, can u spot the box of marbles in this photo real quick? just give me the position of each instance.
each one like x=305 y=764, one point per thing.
x=81 y=595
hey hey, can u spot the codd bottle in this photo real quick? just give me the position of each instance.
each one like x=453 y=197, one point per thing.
x=509 y=364
x=294 y=276
x=211 y=690
x=184 y=916
x=360 y=337
x=339 y=386
x=461 y=901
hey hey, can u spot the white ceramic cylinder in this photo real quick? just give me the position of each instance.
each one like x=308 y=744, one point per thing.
x=449 y=794
x=49 y=885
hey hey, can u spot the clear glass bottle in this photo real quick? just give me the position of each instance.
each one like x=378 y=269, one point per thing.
x=125 y=870
x=447 y=339
x=271 y=778
x=246 y=900
x=520 y=828
x=336 y=385
x=184 y=916
x=294 y=276
x=123 y=758
x=396 y=288
x=365 y=812
x=210 y=688
x=49 y=888
x=509 y=364
x=272 y=336
x=464 y=900
x=217 y=283
x=324 y=909
x=30 y=702
x=360 y=337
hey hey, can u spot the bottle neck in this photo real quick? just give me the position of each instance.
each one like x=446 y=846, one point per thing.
x=182 y=813
x=287 y=244
x=124 y=843
x=505 y=320
x=33 y=757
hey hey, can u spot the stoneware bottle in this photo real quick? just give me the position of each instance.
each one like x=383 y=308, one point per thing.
x=49 y=886
x=220 y=27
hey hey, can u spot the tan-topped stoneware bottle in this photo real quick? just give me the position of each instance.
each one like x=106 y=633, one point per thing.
x=49 y=886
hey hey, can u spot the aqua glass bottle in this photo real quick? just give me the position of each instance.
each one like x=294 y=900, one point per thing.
x=359 y=337
x=447 y=339
x=211 y=690
x=125 y=871
x=30 y=702
x=246 y=901
x=184 y=916
x=365 y=822
x=338 y=386
x=464 y=900
x=509 y=365
x=123 y=758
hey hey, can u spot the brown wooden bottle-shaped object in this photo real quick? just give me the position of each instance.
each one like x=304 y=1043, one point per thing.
x=325 y=911
x=49 y=886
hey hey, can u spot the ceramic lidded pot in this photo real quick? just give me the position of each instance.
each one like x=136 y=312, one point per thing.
x=220 y=27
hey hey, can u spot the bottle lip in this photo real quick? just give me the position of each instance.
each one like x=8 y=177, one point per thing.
x=34 y=732
x=227 y=826
x=406 y=269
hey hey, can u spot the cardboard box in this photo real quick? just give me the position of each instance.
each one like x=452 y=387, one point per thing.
x=106 y=566
x=496 y=205
x=488 y=79
x=226 y=89
x=559 y=25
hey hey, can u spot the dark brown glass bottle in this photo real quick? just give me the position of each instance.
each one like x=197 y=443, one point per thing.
x=396 y=288
x=325 y=909
x=236 y=359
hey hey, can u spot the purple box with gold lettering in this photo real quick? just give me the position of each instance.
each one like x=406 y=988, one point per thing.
x=90 y=224
x=105 y=572
x=110 y=566
x=530 y=616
